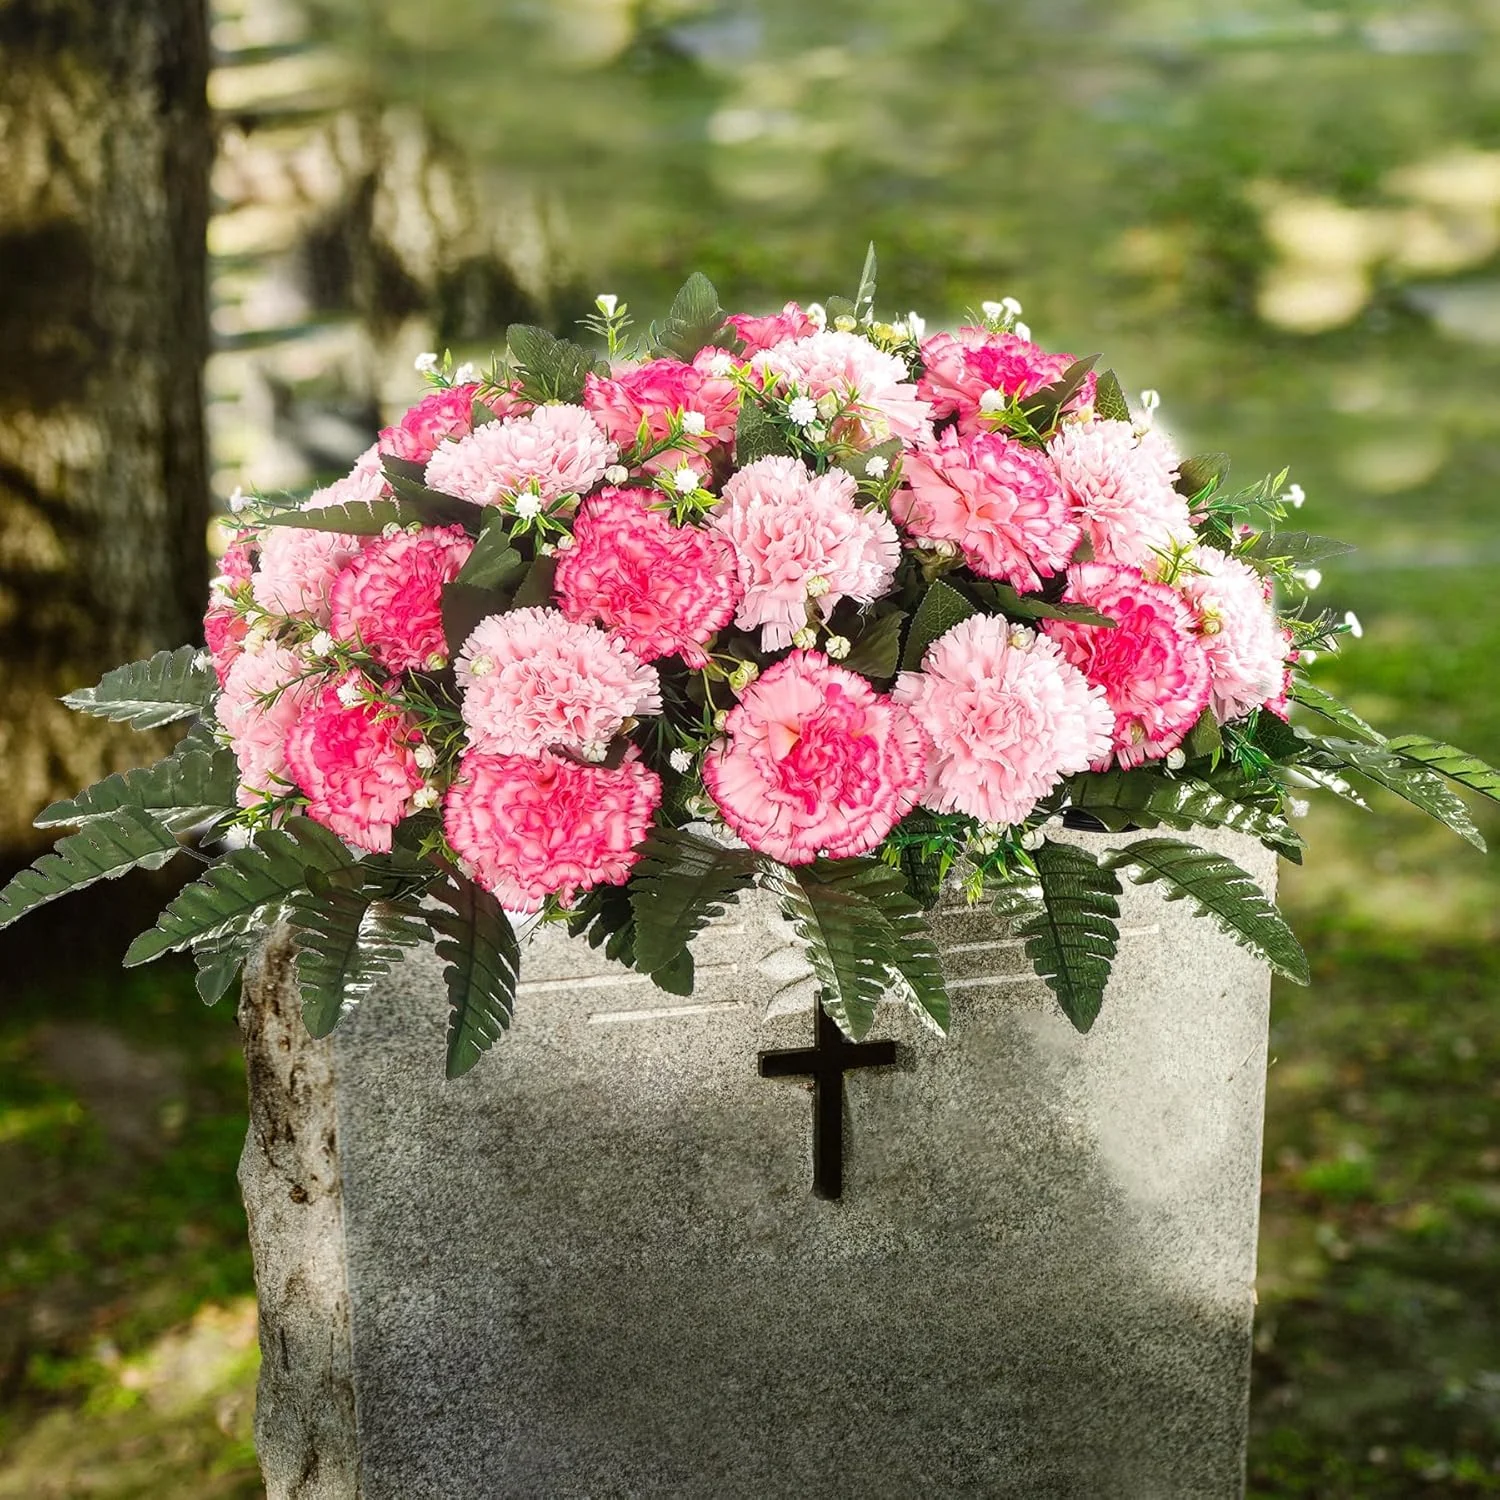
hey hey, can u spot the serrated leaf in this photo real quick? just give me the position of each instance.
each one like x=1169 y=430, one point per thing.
x=535 y=589
x=494 y=563
x=692 y=321
x=464 y=606
x=347 y=938
x=429 y=506
x=106 y=849
x=1016 y=606
x=231 y=895
x=605 y=918
x=548 y=368
x=219 y=961
x=1273 y=735
x=876 y=650
x=1447 y=760
x=1322 y=702
x=846 y=940
x=1042 y=408
x=195 y=782
x=1424 y=789
x=1204 y=738
x=146 y=694
x=681 y=883
x=1219 y=890
x=1300 y=549
x=1109 y=399
x=1070 y=932
x=1205 y=471
x=481 y=964
x=757 y=435
x=856 y=464
x=942 y=608
x=864 y=298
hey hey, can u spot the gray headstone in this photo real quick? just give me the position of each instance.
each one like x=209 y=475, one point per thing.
x=593 y=1266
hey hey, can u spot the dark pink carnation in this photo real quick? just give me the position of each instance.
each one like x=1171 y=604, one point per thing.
x=224 y=624
x=528 y=827
x=663 y=589
x=761 y=333
x=963 y=367
x=815 y=762
x=1151 y=666
x=356 y=764
x=1000 y=503
x=390 y=598
x=441 y=415
x=653 y=393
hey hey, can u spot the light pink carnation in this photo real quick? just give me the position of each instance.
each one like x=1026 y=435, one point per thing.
x=390 y=598
x=297 y=570
x=663 y=589
x=763 y=333
x=224 y=624
x=263 y=695
x=853 y=369
x=363 y=483
x=960 y=368
x=356 y=766
x=556 y=451
x=653 y=393
x=437 y=416
x=789 y=528
x=531 y=827
x=999 y=502
x=1008 y=718
x=1151 y=666
x=1120 y=486
x=815 y=762
x=1245 y=645
x=534 y=680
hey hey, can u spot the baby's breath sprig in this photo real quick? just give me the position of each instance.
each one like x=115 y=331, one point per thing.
x=609 y=322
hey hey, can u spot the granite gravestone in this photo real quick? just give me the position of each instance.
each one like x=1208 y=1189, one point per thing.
x=594 y=1265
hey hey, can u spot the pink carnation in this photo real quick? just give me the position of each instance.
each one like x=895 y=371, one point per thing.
x=795 y=534
x=1120 y=487
x=1151 y=665
x=440 y=415
x=663 y=589
x=815 y=762
x=555 y=451
x=264 y=692
x=356 y=765
x=997 y=501
x=389 y=599
x=851 y=368
x=1008 y=717
x=224 y=624
x=656 y=391
x=297 y=570
x=535 y=680
x=365 y=482
x=1245 y=645
x=963 y=368
x=531 y=827
x=763 y=333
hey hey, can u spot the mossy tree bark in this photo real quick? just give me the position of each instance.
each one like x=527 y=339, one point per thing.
x=106 y=137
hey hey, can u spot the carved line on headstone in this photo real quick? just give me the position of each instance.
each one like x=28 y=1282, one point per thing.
x=607 y=981
x=661 y=1012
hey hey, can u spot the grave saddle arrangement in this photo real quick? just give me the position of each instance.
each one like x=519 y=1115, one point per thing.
x=812 y=601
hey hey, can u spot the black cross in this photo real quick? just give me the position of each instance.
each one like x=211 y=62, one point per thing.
x=827 y=1061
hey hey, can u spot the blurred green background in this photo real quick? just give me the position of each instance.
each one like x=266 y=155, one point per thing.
x=1285 y=216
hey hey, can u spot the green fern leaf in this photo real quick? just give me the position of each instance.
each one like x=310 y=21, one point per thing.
x=105 y=850
x=481 y=963
x=147 y=694
x=1447 y=760
x=233 y=893
x=1424 y=789
x=1220 y=890
x=1322 y=702
x=679 y=885
x=219 y=961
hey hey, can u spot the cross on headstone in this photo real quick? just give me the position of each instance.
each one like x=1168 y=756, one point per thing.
x=827 y=1061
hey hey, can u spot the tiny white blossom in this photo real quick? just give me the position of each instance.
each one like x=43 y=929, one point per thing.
x=1294 y=496
x=817 y=314
x=817 y=586
x=425 y=757
x=237 y=837
x=992 y=400
x=238 y=500
x=351 y=692
x=680 y=761
x=1011 y=306
x=685 y=480
x=1352 y=621
x=1021 y=639
x=900 y=330
x=203 y=659
x=992 y=310
x=1306 y=656
x=1033 y=838
x=616 y=474
x=1150 y=400
x=481 y=666
x=426 y=797
x=828 y=406
x=1176 y=760
x=465 y=374
x=527 y=504
x=321 y=644
x=694 y=423
x=436 y=661
x=805 y=639
x=595 y=750
x=918 y=325
x=837 y=646
x=607 y=302
x=1021 y=330
x=390 y=529
x=877 y=467
x=817 y=432
x=425 y=364
x=721 y=364
x=802 y=410
x=1310 y=578
x=1297 y=807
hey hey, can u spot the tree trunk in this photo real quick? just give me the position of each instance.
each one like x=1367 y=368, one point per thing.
x=106 y=140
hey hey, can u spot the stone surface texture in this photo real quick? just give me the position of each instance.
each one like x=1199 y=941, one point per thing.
x=593 y=1267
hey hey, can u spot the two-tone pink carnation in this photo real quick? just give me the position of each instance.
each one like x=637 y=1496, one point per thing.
x=355 y=763
x=437 y=417
x=1245 y=645
x=1120 y=484
x=552 y=452
x=529 y=827
x=224 y=624
x=655 y=393
x=535 y=680
x=815 y=762
x=997 y=501
x=663 y=589
x=764 y=333
x=389 y=599
x=973 y=372
x=875 y=386
x=1008 y=717
x=265 y=690
x=800 y=538
x=297 y=568
x=1151 y=665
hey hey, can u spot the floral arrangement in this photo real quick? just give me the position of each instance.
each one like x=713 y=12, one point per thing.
x=813 y=601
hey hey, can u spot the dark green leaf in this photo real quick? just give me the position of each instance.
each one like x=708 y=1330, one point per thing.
x=1109 y=399
x=197 y=781
x=219 y=961
x=535 y=589
x=1207 y=471
x=106 y=849
x=1042 y=408
x=1276 y=737
x=1015 y=606
x=481 y=963
x=1417 y=785
x=429 y=506
x=681 y=883
x=1204 y=738
x=1300 y=549
x=876 y=650
x=1310 y=695
x=147 y=694
x=494 y=563
x=757 y=435
x=464 y=606
x=605 y=917
x=693 y=320
x=942 y=608
x=864 y=298
x=353 y=518
x=1220 y=890
x=1457 y=765
x=549 y=368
